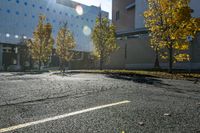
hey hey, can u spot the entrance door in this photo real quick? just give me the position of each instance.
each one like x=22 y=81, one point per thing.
x=8 y=57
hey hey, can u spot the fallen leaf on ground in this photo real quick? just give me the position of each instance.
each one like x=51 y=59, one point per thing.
x=141 y=123
x=167 y=114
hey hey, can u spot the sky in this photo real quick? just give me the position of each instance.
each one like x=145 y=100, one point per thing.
x=106 y=5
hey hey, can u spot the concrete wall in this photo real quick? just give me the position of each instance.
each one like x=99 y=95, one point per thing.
x=195 y=49
x=132 y=54
x=126 y=19
x=194 y=4
x=141 y=6
x=141 y=56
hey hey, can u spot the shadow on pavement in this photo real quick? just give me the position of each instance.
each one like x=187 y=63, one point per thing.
x=155 y=82
x=138 y=79
x=23 y=73
x=66 y=74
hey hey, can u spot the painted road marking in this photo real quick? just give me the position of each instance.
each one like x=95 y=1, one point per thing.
x=60 y=117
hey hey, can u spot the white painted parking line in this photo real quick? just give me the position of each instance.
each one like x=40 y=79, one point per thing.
x=60 y=117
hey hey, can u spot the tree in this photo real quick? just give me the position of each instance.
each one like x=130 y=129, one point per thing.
x=65 y=45
x=103 y=36
x=42 y=43
x=169 y=23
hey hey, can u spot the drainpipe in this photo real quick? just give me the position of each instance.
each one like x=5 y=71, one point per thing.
x=1 y=57
x=125 y=51
x=18 y=57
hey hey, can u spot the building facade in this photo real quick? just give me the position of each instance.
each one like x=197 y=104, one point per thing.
x=20 y=17
x=133 y=39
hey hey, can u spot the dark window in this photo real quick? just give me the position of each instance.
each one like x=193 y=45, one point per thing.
x=25 y=14
x=17 y=13
x=54 y=21
x=66 y=14
x=8 y=11
x=40 y=7
x=54 y=11
x=17 y=1
x=33 y=16
x=117 y=15
x=33 y=5
x=25 y=3
x=60 y=12
x=47 y=9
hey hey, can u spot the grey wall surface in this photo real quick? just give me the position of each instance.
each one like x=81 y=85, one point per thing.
x=1 y=52
x=141 y=6
x=195 y=5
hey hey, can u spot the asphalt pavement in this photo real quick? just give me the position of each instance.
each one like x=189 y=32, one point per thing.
x=91 y=103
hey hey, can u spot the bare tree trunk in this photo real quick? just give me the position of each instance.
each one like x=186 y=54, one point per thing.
x=30 y=63
x=60 y=65
x=101 y=64
x=63 y=67
x=39 y=67
x=170 y=58
x=157 y=63
x=101 y=61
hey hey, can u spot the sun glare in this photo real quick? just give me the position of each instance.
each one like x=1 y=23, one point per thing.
x=79 y=10
x=87 y=30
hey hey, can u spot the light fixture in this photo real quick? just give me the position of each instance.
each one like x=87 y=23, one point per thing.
x=16 y=36
x=87 y=30
x=25 y=37
x=7 y=35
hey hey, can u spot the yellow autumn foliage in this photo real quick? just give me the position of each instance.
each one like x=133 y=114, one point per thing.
x=104 y=40
x=169 y=23
x=41 y=44
x=65 y=44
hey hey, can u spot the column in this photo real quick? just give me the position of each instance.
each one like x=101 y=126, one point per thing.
x=1 y=56
x=18 y=56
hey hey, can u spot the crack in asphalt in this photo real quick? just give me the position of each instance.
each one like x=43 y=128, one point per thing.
x=77 y=95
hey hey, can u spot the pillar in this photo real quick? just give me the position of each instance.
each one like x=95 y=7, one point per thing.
x=18 y=56
x=1 y=56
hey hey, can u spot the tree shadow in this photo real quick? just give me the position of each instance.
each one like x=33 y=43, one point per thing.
x=26 y=73
x=65 y=74
x=138 y=79
x=158 y=83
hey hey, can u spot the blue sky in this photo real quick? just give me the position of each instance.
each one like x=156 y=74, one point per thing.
x=105 y=4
